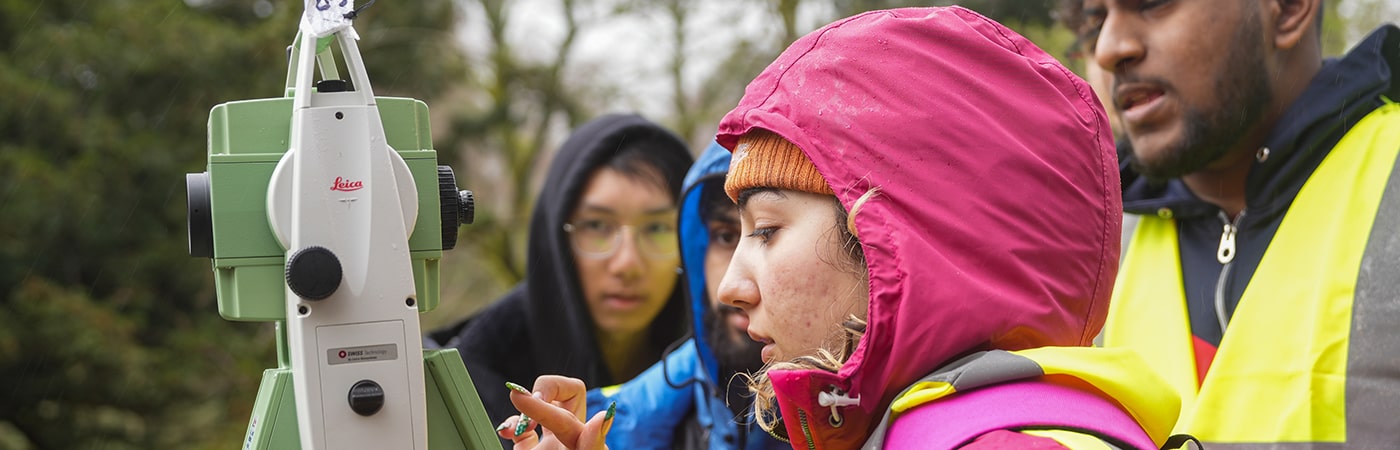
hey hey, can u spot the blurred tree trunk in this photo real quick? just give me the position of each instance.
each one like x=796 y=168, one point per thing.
x=504 y=114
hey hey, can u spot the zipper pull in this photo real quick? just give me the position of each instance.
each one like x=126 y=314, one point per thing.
x=1226 y=252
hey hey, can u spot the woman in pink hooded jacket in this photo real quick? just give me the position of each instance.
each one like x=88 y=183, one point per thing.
x=930 y=221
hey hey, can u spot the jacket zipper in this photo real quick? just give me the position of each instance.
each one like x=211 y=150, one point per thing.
x=774 y=434
x=806 y=432
x=1225 y=254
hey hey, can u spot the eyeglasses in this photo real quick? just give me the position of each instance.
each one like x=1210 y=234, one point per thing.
x=601 y=238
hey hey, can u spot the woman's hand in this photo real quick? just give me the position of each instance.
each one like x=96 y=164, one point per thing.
x=558 y=405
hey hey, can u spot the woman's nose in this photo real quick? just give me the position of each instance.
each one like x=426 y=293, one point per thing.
x=626 y=262
x=738 y=288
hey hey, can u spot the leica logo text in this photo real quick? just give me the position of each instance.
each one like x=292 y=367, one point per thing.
x=345 y=185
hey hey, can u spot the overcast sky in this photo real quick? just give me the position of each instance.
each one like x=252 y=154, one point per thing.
x=633 y=49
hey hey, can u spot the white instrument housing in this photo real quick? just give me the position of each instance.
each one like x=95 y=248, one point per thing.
x=340 y=187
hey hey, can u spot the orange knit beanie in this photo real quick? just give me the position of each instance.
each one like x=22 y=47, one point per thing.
x=764 y=159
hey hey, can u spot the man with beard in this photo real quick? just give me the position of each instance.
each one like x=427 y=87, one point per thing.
x=695 y=398
x=1263 y=279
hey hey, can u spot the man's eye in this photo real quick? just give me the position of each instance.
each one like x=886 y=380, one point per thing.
x=724 y=236
x=1150 y=4
x=1089 y=39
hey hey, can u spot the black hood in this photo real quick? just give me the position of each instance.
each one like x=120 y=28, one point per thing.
x=560 y=328
x=1342 y=92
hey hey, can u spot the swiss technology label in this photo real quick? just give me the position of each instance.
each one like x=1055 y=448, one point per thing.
x=347 y=355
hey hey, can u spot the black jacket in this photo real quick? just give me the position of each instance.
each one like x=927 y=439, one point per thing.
x=1343 y=92
x=542 y=326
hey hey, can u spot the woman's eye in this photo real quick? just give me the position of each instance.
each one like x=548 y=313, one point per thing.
x=764 y=234
x=658 y=228
x=595 y=227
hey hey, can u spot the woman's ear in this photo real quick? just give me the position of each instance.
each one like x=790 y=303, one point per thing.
x=1295 y=20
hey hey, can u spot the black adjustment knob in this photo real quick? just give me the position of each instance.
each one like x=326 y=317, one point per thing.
x=199 y=215
x=467 y=215
x=448 y=206
x=458 y=207
x=366 y=397
x=313 y=273
x=332 y=86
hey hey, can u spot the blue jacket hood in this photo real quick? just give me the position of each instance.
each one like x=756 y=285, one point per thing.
x=695 y=240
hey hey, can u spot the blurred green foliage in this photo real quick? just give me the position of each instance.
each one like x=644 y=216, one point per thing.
x=109 y=335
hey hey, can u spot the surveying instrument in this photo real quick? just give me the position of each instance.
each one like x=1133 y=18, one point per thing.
x=324 y=211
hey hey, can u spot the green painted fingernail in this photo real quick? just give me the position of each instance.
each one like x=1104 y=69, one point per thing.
x=612 y=409
x=502 y=426
x=523 y=425
x=517 y=388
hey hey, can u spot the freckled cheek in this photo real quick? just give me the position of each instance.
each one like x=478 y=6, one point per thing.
x=786 y=289
x=794 y=305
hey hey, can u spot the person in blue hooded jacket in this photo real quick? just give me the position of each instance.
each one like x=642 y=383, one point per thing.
x=695 y=397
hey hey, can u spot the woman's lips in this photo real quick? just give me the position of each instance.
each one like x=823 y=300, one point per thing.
x=769 y=346
x=622 y=301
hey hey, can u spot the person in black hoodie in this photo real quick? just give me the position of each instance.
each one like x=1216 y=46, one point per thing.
x=601 y=299
x=1263 y=279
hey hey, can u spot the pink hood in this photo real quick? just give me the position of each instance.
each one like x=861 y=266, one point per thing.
x=998 y=220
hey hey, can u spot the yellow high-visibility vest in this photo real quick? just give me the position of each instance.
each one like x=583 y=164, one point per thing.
x=1312 y=352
